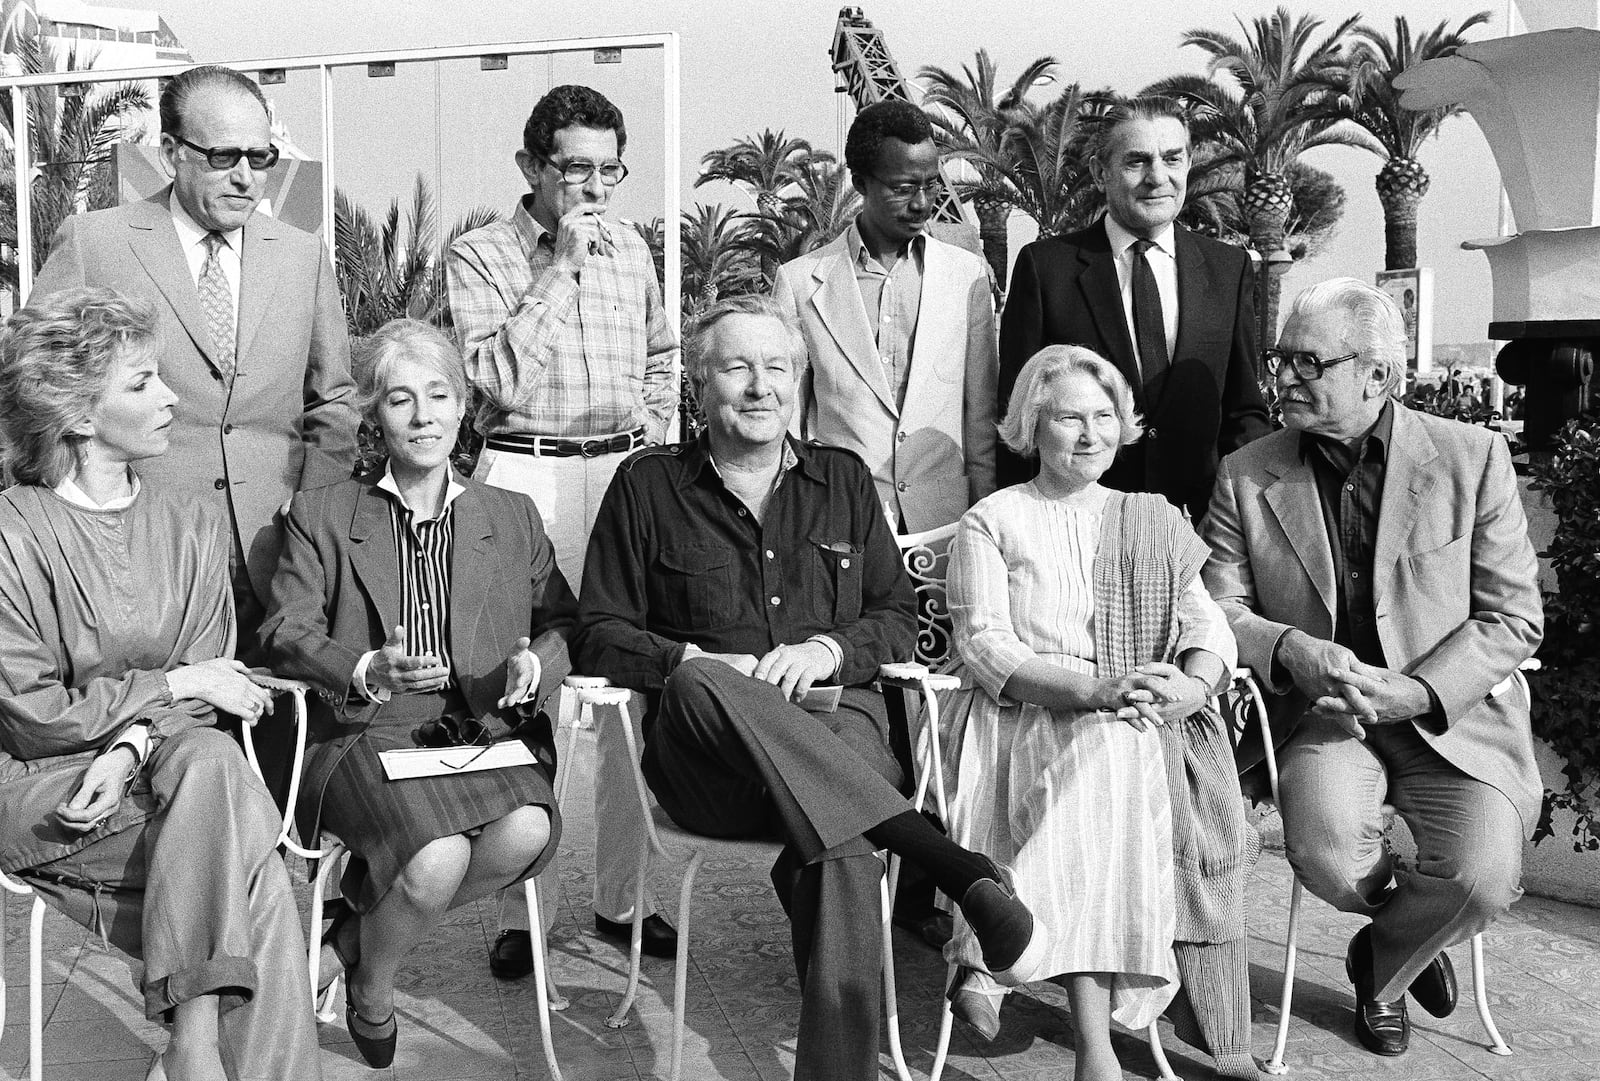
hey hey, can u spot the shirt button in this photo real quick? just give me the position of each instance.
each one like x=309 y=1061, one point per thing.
x=219 y=484
x=1355 y=574
x=776 y=601
x=741 y=512
x=1349 y=487
x=426 y=606
x=844 y=563
x=770 y=555
x=1151 y=433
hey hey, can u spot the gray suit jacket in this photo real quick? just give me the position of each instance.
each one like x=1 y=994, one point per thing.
x=1455 y=584
x=287 y=423
x=933 y=456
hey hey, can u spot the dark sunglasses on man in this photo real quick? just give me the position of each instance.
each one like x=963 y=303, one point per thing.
x=227 y=157
x=1307 y=366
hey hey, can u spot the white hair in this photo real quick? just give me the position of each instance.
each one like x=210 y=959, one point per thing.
x=1374 y=326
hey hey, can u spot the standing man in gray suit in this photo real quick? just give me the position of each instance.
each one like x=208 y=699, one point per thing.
x=899 y=327
x=254 y=339
x=1375 y=566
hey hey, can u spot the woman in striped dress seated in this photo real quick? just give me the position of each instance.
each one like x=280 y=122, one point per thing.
x=1093 y=646
x=426 y=609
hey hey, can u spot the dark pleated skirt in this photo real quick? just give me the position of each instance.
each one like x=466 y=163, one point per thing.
x=385 y=823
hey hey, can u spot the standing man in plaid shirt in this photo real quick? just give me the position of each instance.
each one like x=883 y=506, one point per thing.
x=561 y=323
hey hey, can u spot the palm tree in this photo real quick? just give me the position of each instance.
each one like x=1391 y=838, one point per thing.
x=71 y=136
x=968 y=113
x=1041 y=166
x=1374 y=104
x=763 y=167
x=1265 y=102
x=719 y=249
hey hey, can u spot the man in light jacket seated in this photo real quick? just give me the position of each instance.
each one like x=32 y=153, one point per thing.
x=1375 y=566
x=726 y=578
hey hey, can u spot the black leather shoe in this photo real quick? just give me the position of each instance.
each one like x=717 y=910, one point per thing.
x=658 y=938
x=1435 y=987
x=376 y=1047
x=511 y=956
x=1382 y=1027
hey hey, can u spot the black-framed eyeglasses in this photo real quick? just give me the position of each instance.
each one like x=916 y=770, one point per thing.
x=904 y=193
x=579 y=170
x=226 y=157
x=450 y=732
x=1306 y=365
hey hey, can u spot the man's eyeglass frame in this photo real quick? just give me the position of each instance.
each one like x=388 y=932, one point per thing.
x=222 y=158
x=904 y=193
x=579 y=170
x=1305 y=364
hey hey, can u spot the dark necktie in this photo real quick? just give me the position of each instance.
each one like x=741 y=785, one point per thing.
x=1149 y=327
x=216 y=301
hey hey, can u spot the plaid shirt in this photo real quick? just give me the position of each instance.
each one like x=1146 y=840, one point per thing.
x=558 y=355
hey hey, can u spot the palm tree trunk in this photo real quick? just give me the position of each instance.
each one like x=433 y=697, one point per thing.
x=992 y=218
x=1401 y=184
x=1267 y=201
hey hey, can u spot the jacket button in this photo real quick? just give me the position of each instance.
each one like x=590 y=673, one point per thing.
x=227 y=429
x=219 y=484
x=1151 y=433
x=900 y=437
x=902 y=486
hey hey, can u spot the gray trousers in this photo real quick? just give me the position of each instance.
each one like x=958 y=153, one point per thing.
x=1468 y=836
x=199 y=894
x=729 y=756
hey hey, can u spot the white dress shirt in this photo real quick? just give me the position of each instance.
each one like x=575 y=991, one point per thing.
x=1163 y=260
x=192 y=239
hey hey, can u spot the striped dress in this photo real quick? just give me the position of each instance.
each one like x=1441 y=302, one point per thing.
x=1075 y=805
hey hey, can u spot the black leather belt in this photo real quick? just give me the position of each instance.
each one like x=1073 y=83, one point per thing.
x=550 y=447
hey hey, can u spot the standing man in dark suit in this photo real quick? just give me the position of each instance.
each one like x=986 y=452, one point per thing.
x=1173 y=311
x=253 y=335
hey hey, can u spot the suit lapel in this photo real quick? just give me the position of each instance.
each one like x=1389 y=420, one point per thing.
x=1405 y=478
x=470 y=577
x=154 y=241
x=259 y=276
x=1294 y=500
x=837 y=302
x=373 y=556
x=1103 y=296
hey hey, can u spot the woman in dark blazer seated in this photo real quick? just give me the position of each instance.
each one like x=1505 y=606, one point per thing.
x=424 y=608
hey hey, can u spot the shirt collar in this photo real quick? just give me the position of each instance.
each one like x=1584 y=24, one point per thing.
x=1374 y=444
x=191 y=232
x=528 y=226
x=697 y=458
x=861 y=257
x=452 y=489
x=68 y=489
x=1121 y=239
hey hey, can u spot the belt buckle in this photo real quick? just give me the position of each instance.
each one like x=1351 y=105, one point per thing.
x=593 y=448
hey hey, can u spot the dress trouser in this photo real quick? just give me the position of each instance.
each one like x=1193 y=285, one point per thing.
x=727 y=756
x=1468 y=836
x=199 y=893
x=567 y=492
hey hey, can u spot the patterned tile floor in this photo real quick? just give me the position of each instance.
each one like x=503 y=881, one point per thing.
x=458 y=1022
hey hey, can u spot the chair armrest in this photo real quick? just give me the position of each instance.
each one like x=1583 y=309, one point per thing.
x=916 y=677
x=592 y=691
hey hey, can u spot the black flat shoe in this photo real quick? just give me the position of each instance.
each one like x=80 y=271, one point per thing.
x=511 y=956
x=1435 y=987
x=1382 y=1027
x=657 y=937
x=377 y=1051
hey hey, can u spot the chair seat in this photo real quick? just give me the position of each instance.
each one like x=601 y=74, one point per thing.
x=671 y=833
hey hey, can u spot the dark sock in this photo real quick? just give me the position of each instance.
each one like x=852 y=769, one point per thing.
x=914 y=839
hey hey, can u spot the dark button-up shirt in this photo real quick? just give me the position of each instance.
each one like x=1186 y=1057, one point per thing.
x=676 y=558
x=1350 y=487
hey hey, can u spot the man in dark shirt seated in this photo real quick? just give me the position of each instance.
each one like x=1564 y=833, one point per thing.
x=726 y=578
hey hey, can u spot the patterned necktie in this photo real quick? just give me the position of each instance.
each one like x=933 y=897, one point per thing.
x=1149 y=327
x=216 y=300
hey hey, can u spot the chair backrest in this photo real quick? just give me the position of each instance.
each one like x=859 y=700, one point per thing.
x=926 y=557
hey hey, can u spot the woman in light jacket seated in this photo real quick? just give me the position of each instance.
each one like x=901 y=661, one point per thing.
x=1086 y=758
x=120 y=803
x=424 y=607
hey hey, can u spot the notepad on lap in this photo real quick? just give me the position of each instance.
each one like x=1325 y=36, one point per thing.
x=445 y=761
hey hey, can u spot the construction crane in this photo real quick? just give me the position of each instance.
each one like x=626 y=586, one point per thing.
x=869 y=74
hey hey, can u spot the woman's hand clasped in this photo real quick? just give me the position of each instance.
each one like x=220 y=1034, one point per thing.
x=1155 y=694
x=223 y=683
x=99 y=794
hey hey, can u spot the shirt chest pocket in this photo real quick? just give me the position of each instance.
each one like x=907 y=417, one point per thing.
x=696 y=585
x=837 y=567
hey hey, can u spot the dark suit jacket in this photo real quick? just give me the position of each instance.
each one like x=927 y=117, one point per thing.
x=1064 y=292
x=288 y=423
x=1454 y=578
x=337 y=594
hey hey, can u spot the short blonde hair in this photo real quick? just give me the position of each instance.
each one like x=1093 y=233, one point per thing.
x=55 y=359
x=404 y=339
x=696 y=358
x=1038 y=379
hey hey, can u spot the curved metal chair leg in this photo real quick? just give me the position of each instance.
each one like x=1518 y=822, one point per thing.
x=1480 y=993
x=891 y=1001
x=542 y=988
x=1160 y=1053
x=680 y=976
x=619 y=1017
x=1275 y=1065
x=941 y=1050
